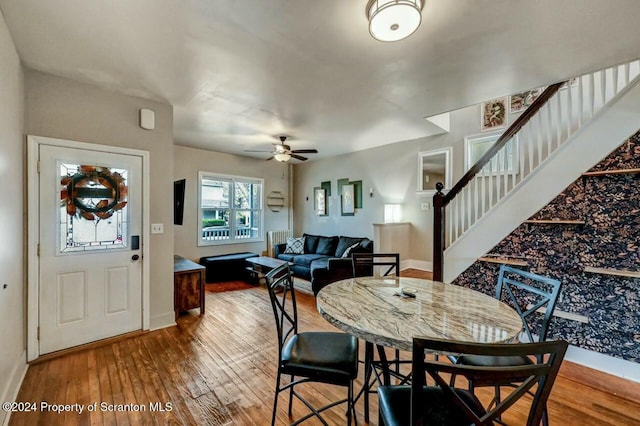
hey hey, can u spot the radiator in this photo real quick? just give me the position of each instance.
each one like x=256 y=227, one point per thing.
x=276 y=237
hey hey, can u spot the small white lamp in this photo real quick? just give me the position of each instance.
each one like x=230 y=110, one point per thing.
x=392 y=213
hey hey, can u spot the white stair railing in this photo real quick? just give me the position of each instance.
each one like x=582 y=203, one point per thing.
x=560 y=117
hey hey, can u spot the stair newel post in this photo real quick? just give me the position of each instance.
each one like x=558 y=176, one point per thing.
x=438 y=232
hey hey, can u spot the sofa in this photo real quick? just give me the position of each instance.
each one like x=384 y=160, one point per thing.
x=321 y=259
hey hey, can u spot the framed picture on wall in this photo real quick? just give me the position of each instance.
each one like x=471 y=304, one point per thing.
x=493 y=114
x=520 y=101
x=320 y=201
x=348 y=206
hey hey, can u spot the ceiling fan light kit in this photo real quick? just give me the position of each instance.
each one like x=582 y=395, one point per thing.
x=393 y=20
x=282 y=152
x=282 y=157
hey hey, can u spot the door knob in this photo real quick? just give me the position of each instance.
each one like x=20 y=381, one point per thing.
x=135 y=257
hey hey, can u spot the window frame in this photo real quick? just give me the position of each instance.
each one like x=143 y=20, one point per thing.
x=232 y=179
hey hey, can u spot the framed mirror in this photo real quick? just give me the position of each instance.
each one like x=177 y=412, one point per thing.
x=433 y=167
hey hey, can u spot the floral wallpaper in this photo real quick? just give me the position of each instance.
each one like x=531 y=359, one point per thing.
x=610 y=238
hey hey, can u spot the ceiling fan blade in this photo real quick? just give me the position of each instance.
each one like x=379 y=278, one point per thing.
x=299 y=157
x=305 y=151
x=253 y=150
x=270 y=158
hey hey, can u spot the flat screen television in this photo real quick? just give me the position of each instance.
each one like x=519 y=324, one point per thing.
x=178 y=201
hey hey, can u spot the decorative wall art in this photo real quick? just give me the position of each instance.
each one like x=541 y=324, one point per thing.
x=607 y=239
x=93 y=207
x=320 y=201
x=573 y=82
x=347 y=201
x=493 y=114
x=354 y=196
x=520 y=101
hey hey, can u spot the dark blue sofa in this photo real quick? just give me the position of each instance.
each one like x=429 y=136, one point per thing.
x=322 y=261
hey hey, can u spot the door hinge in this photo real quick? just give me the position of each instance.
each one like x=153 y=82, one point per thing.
x=38 y=333
x=38 y=166
x=38 y=250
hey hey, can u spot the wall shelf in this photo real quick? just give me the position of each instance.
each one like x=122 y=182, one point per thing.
x=275 y=201
x=503 y=261
x=612 y=172
x=563 y=314
x=556 y=222
x=616 y=272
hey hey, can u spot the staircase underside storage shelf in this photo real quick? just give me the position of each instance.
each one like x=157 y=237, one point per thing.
x=504 y=261
x=556 y=222
x=587 y=237
x=614 y=272
x=612 y=172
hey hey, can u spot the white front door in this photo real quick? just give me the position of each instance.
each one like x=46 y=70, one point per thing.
x=90 y=224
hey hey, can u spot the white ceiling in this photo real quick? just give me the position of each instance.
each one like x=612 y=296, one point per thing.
x=239 y=73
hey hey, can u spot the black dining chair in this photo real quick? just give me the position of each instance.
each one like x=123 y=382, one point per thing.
x=534 y=297
x=322 y=357
x=443 y=404
x=385 y=265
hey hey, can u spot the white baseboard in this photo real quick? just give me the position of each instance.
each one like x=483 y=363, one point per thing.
x=10 y=392
x=422 y=265
x=607 y=364
x=162 y=321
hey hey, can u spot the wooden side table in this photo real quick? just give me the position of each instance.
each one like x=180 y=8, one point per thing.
x=188 y=285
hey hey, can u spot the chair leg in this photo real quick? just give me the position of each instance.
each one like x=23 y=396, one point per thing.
x=545 y=417
x=291 y=396
x=275 y=400
x=350 y=408
x=397 y=361
x=368 y=365
x=386 y=377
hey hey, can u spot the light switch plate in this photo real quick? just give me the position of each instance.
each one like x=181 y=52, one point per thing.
x=157 y=228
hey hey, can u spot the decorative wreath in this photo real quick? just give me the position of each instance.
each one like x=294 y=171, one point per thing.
x=80 y=190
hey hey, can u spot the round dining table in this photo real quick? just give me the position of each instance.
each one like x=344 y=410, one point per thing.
x=376 y=310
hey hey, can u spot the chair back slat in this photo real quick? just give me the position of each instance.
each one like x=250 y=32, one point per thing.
x=383 y=264
x=520 y=289
x=283 y=301
x=540 y=374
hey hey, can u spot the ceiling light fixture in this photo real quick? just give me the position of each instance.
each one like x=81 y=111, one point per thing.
x=393 y=20
x=282 y=157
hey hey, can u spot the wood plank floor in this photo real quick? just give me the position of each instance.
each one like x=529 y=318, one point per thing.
x=219 y=369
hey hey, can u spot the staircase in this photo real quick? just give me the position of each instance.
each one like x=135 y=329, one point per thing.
x=566 y=131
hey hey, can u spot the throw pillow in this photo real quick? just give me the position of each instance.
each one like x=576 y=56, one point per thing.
x=347 y=252
x=295 y=245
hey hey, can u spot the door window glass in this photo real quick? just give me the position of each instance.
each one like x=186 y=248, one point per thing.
x=93 y=208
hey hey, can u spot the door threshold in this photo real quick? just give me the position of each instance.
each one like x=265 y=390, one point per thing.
x=88 y=346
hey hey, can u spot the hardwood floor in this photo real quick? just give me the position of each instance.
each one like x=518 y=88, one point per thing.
x=220 y=369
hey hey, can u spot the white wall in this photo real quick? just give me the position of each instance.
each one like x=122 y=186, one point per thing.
x=392 y=172
x=12 y=211
x=67 y=109
x=189 y=161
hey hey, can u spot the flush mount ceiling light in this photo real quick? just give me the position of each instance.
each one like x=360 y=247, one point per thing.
x=393 y=20
x=282 y=156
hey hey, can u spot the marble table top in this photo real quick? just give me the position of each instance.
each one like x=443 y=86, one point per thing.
x=369 y=309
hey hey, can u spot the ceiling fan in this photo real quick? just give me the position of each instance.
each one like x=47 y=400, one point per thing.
x=284 y=153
